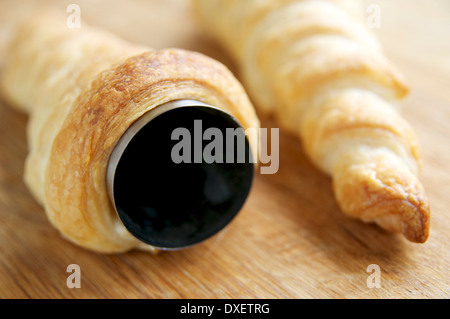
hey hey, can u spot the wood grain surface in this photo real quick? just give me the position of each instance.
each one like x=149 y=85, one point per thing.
x=290 y=240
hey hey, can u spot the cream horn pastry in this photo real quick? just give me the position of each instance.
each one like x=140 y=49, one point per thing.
x=86 y=92
x=316 y=68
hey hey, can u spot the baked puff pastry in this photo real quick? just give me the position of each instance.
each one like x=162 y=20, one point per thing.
x=315 y=67
x=83 y=88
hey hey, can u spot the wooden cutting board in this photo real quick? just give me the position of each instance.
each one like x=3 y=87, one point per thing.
x=290 y=240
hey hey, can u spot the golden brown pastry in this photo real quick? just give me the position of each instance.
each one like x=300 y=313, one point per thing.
x=315 y=67
x=83 y=88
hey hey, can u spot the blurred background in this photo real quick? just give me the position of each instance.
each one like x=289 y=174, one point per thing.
x=419 y=29
x=290 y=240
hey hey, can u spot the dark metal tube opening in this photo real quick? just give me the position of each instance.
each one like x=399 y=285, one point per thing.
x=180 y=174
